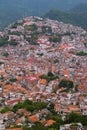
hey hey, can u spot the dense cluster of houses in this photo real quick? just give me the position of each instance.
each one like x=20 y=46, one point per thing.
x=20 y=71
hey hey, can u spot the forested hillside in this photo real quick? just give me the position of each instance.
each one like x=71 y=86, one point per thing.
x=76 y=16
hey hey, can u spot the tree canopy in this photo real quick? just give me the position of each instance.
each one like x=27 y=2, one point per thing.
x=66 y=84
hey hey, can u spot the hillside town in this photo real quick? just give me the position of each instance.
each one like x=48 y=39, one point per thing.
x=45 y=61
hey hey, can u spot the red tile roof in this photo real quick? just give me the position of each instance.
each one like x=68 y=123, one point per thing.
x=11 y=102
x=32 y=78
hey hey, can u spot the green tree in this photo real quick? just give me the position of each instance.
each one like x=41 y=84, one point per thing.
x=49 y=77
x=13 y=80
x=17 y=106
x=66 y=84
x=52 y=128
x=55 y=39
x=5 y=109
x=81 y=53
x=50 y=74
x=32 y=27
x=5 y=54
x=1 y=62
x=76 y=118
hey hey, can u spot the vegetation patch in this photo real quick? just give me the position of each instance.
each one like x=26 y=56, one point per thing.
x=66 y=84
x=81 y=53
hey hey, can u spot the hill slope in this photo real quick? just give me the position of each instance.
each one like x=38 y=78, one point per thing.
x=76 y=16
